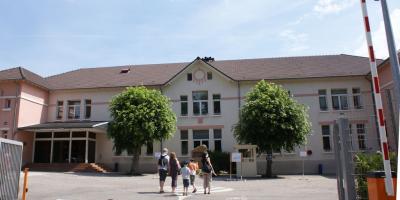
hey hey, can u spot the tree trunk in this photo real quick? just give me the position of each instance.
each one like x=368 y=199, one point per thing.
x=135 y=162
x=268 y=170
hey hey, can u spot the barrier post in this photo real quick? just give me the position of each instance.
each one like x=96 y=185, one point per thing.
x=25 y=189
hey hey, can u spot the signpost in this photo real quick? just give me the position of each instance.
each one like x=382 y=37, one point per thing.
x=303 y=154
x=235 y=157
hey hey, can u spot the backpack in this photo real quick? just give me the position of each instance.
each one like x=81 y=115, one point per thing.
x=162 y=161
x=206 y=168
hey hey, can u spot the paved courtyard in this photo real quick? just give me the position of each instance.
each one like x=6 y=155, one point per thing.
x=71 y=186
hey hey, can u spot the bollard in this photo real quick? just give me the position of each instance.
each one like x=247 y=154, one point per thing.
x=25 y=189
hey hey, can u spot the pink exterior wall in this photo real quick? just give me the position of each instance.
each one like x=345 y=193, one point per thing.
x=8 y=90
x=389 y=104
x=32 y=105
x=27 y=139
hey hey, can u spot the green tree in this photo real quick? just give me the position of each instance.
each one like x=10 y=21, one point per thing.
x=139 y=117
x=272 y=120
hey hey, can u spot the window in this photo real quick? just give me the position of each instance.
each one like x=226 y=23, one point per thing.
x=200 y=137
x=326 y=137
x=361 y=136
x=74 y=109
x=7 y=103
x=200 y=103
x=88 y=108
x=189 y=76
x=357 y=98
x=184 y=142
x=209 y=76
x=4 y=134
x=184 y=105
x=217 y=104
x=323 y=103
x=149 y=149
x=339 y=99
x=60 y=109
x=217 y=140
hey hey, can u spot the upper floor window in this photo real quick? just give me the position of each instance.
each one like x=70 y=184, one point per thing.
x=88 y=108
x=189 y=76
x=217 y=104
x=326 y=137
x=209 y=76
x=184 y=105
x=339 y=99
x=7 y=103
x=200 y=102
x=60 y=109
x=74 y=109
x=323 y=101
x=357 y=98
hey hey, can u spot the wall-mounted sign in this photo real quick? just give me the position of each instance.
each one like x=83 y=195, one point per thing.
x=303 y=153
x=236 y=157
x=157 y=155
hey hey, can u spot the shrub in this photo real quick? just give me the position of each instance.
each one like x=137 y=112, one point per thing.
x=367 y=163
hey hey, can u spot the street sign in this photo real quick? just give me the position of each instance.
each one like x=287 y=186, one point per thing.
x=236 y=157
x=303 y=153
x=157 y=155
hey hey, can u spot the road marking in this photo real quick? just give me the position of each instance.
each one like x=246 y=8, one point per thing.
x=179 y=191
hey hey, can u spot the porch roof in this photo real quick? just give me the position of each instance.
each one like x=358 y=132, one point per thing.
x=66 y=125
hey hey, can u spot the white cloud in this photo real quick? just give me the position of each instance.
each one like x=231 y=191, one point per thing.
x=324 y=7
x=379 y=38
x=294 y=41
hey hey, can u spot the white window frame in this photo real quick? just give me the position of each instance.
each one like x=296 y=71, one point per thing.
x=358 y=96
x=74 y=106
x=201 y=140
x=187 y=105
x=361 y=136
x=328 y=136
x=339 y=97
x=217 y=100
x=325 y=96
x=58 y=108
x=86 y=108
x=200 y=102
x=217 y=139
x=184 y=140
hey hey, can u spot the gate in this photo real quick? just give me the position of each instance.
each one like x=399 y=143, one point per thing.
x=10 y=168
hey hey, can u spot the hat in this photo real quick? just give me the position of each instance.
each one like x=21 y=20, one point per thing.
x=185 y=162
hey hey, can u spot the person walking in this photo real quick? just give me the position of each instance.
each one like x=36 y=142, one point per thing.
x=193 y=166
x=185 y=171
x=163 y=163
x=208 y=171
x=174 y=169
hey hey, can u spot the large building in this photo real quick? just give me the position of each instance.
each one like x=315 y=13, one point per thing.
x=63 y=118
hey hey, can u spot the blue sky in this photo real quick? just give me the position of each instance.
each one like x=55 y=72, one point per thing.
x=54 y=36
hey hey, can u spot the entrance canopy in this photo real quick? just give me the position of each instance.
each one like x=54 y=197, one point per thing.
x=100 y=125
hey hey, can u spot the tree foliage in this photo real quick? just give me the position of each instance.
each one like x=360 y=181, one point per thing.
x=140 y=116
x=271 y=119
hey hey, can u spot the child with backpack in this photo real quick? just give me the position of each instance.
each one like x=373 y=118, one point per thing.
x=185 y=171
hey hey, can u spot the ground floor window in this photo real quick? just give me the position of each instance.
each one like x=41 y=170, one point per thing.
x=64 y=147
x=217 y=140
x=326 y=137
x=184 y=142
x=201 y=137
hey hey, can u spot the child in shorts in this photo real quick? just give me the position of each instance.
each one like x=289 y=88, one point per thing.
x=185 y=171
x=193 y=166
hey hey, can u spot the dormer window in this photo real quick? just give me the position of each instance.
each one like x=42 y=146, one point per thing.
x=125 y=71
x=189 y=76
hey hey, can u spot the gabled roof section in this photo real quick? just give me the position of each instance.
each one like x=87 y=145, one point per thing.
x=104 y=77
x=20 y=73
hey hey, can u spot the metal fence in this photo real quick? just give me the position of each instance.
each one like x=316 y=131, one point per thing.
x=10 y=168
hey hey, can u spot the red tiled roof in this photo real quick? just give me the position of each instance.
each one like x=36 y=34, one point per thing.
x=244 y=69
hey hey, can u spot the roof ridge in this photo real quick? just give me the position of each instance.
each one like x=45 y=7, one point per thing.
x=280 y=57
x=22 y=73
x=62 y=73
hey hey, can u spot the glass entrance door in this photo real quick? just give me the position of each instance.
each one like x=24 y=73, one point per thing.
x=42 y=151
x=60 y=151
x=78 y=151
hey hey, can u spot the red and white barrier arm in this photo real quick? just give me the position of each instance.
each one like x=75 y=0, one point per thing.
x=378 y=103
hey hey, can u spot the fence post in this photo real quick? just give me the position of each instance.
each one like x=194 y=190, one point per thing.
x=344 y=160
